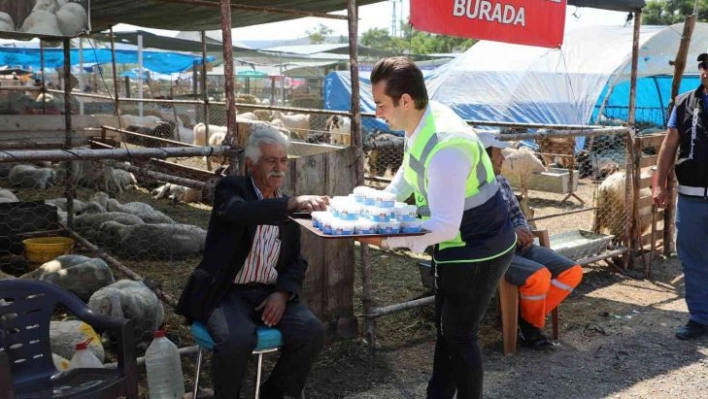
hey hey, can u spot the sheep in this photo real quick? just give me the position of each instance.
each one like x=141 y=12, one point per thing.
x=298 y=124
x=339 y=128
x=7 y=196
x=610 y=215
x=94 y=174
x=153 y=241
x=72 y=19
x=142 y=210
x=147 y=120
x=41 y=22
x=46 y=5
x=30 y=176
x=164 y=130
x=6 y=22
x=75 y=273
x=131 y=300
x=200 y=133
x=80 y=208
x=597 y=167
x=521 y=163
x=249 y=116
x=385 y=151
x=557 y=145
x=65 y=334
x=44 y=97
x=177 y=193
x=88 y=224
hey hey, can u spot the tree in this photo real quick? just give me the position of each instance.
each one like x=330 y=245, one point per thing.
x=414 y=42
x=667 y=12
x=319 y=33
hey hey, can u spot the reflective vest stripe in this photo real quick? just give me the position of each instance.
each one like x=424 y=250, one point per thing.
x=532 y=297
x=561 y=285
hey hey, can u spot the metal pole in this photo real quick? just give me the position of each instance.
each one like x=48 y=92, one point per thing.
x=116 y=101
x=70 y=188
x=118 y=153
x=81 y=73
x=41 y=66
x=205 y=95
x=140 y=74
x=232 y=138
x=357 y=140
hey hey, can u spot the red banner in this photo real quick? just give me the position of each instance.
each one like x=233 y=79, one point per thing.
x=531 y=22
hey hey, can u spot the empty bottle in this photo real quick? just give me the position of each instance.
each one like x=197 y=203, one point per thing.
x=164 y=369
x=84 y=358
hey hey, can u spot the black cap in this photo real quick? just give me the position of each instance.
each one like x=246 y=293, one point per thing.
x=703 y=57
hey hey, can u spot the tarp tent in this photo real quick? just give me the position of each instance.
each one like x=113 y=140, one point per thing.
x=584 y=82
x=338 y=96
x=156 y=61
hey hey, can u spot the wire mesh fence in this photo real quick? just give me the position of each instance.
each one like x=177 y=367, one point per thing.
x=574 y=185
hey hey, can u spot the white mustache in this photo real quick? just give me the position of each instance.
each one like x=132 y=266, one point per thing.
x=276 y=174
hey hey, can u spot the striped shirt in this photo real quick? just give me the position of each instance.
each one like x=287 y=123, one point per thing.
x=260 y=265
x=515 y=214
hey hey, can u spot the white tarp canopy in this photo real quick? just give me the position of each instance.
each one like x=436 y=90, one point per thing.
x=586 y=78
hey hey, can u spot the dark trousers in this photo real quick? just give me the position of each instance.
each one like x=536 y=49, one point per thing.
x=463 y=292
x=233 y=328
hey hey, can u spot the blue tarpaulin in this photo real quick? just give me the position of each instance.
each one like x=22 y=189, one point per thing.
x=338 y=96
x=156 y=61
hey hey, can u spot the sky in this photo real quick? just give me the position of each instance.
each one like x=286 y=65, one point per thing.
x=380 y=16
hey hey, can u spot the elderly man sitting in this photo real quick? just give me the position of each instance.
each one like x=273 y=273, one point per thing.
x=544 y=277
x=252 y=272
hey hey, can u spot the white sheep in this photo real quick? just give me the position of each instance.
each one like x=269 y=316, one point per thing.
x=200 y=133
x=339 y=128
x=175 y=192
x=142 y=210
x=246 y=116
x=298 y=124
x=6 y=22
x=7 y=196
x=611 y=213
x=75 y=273
x=42 y=22
x=46 y=5
x=94 y=174
x=88 y=225
x=72 y=19
x=153 y=241
x=30 y=176
x=131 y=300
x=521 y=163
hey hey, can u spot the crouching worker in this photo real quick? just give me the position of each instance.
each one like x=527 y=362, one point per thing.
x=544 y=277
x=252 y=272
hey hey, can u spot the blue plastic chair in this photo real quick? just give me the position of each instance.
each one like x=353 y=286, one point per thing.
x=26 y=366
x=269 y=340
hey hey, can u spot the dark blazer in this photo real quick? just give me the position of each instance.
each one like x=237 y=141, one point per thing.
x=236 y=214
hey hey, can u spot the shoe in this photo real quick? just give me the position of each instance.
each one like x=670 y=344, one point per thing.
x=532 y=336
x=691 y=330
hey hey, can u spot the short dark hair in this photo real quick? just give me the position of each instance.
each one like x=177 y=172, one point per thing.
x=489 y=151
x=402 y=76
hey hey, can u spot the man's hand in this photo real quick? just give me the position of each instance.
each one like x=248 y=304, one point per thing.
x=308 y=203
x=370 y=240
x=273 y=307
x=660 y=197
x=524 y=238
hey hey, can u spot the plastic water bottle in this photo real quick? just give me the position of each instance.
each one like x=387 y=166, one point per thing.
x=164 y=369
x=84 y=358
